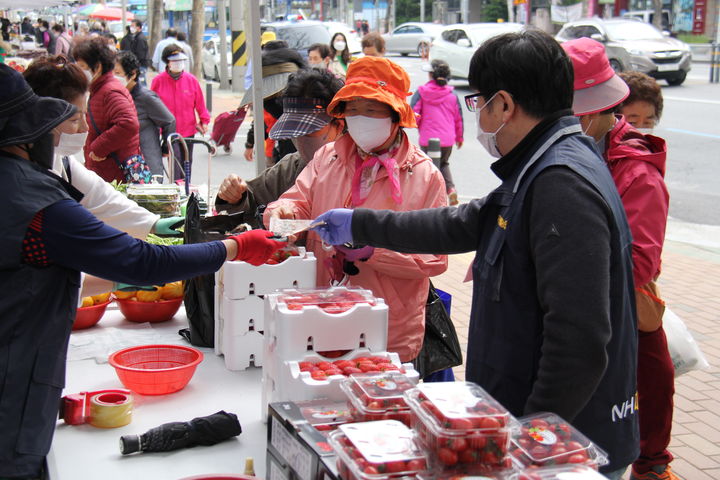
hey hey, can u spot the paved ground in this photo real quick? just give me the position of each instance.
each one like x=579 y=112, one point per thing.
x=690 y=283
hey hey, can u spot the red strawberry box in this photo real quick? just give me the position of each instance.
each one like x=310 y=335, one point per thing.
x=378 y=396
x=461 y=425
x=377 y=451
x=545 y=439
x=333 y=300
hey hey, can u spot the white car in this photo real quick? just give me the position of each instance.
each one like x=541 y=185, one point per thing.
x=211 y=58
x=353 y=40
x=411 y=37
x=457 y=43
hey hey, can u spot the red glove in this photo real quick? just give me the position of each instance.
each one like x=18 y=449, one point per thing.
x=256 y=246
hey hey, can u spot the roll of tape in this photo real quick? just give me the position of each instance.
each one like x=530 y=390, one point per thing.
x=110 y=410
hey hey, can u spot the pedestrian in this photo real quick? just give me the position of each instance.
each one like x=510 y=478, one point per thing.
x=170 y=39
x=340 y=55
x=643 y=107
x=187 y=50
x=266 y=37
x=552 y=326
x=277 y=66
x=365 y=27
x=48 y=239
x=440 y=116
x=373 y=45
x=44 y=37
x=63 y=42
x=319 y=56
x=136 y=42
x=376 y=167
x=637 y=164
x=54 y=76
x=114 y=134
x=110 y=40
x=305 y=122
x=181 y=93
x=26 y=27
x=97 y=28
x=155 y=120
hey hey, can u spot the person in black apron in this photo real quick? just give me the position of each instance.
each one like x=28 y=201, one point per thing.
x=553 y=325
x=48 y=238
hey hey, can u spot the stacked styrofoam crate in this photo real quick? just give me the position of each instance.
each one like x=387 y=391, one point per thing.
x=294 y=336
x=240 y=309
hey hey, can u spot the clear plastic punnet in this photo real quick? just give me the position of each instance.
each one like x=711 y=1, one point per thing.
x=378 y=396
x=332 y=300
x=491 y=475
x=325 y=415
x=461 y=425
x=544 y=439
x=377 y=450
x=160 y=199
x=561 y=472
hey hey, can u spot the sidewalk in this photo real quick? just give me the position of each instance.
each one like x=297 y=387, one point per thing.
x=690 y=283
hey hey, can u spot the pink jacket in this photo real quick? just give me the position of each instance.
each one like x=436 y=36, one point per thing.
x=183 y=97
x=439 y=113
x=401 y=279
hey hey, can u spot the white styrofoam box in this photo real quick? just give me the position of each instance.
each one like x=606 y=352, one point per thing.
x=242 y=350
x=241 y=316
x=292 y=384
x=218 y=316
x=290 y=334
x=240 y=279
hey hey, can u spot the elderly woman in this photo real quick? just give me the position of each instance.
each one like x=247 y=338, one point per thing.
x=48 y=238
x=153 y=115
x=373 y=166
x=114 y=133
x=181 y=93
x=643 y=107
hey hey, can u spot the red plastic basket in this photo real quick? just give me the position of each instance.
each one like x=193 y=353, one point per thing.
x=155 y=369
x=86 y=317
x=153 y=312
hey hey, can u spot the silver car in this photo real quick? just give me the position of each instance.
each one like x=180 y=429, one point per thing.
x=635 y=45
x=411 y=38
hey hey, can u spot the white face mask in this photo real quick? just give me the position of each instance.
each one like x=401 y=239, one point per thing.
x=339 y=45
x=122 y=80
x=88 y=75
x=646 y=131
x=587 y=129
x=487 y=139
x=133 y=30
x=369 y=133
x=70 y=144
x=112 y=48
x=177 y=66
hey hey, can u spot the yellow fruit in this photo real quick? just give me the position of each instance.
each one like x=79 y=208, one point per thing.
x=145 y=296
x=102 y=298
x=172 y=290
x=123 y=295
x=87 y=302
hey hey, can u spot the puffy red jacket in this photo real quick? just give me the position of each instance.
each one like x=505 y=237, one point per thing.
x=112 y=111
x=637 y=164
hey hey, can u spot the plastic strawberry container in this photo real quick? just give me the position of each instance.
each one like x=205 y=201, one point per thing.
x=545 y=439
x=486 y=475
x=377 y=450
x=461 y=425
x=378 y=396
x=325 y=415
x=561 y=472
x=330 y=300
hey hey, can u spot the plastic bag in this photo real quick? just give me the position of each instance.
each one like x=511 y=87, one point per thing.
x=441 y=348
x=200 y=291
x=684 y=350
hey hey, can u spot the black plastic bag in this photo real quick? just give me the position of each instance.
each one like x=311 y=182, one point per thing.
x=441 y=348
x=200 y=291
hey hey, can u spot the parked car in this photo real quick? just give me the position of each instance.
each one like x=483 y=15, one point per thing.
x=211 y=58
x=353 y=40
x=411 y=37
x=457 y=43
x=635 y=45
x=299 y=35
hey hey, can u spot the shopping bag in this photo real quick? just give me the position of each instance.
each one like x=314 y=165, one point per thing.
x=200 y=291
x=441 y=348
x=684 y=350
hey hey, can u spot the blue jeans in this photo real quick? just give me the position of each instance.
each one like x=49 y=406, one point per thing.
x=615 y=475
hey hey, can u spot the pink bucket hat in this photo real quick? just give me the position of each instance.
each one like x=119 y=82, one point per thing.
x=597 y=87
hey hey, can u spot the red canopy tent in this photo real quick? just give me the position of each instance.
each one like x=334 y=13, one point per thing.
x=110 y=13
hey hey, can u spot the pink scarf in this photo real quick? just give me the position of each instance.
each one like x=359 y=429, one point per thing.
x=366 y=171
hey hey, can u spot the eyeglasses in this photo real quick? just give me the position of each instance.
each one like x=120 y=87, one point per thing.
x=471 y=101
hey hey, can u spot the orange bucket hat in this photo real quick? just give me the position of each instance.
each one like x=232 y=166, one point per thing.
x=376 y=78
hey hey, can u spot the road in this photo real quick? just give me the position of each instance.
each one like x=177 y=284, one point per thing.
x=689 y=124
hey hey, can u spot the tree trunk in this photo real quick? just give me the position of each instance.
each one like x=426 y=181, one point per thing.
x=196 y=33
x=657 y=18
x=155 y=28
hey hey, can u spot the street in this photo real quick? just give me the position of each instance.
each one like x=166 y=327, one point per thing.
x=689 y=124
